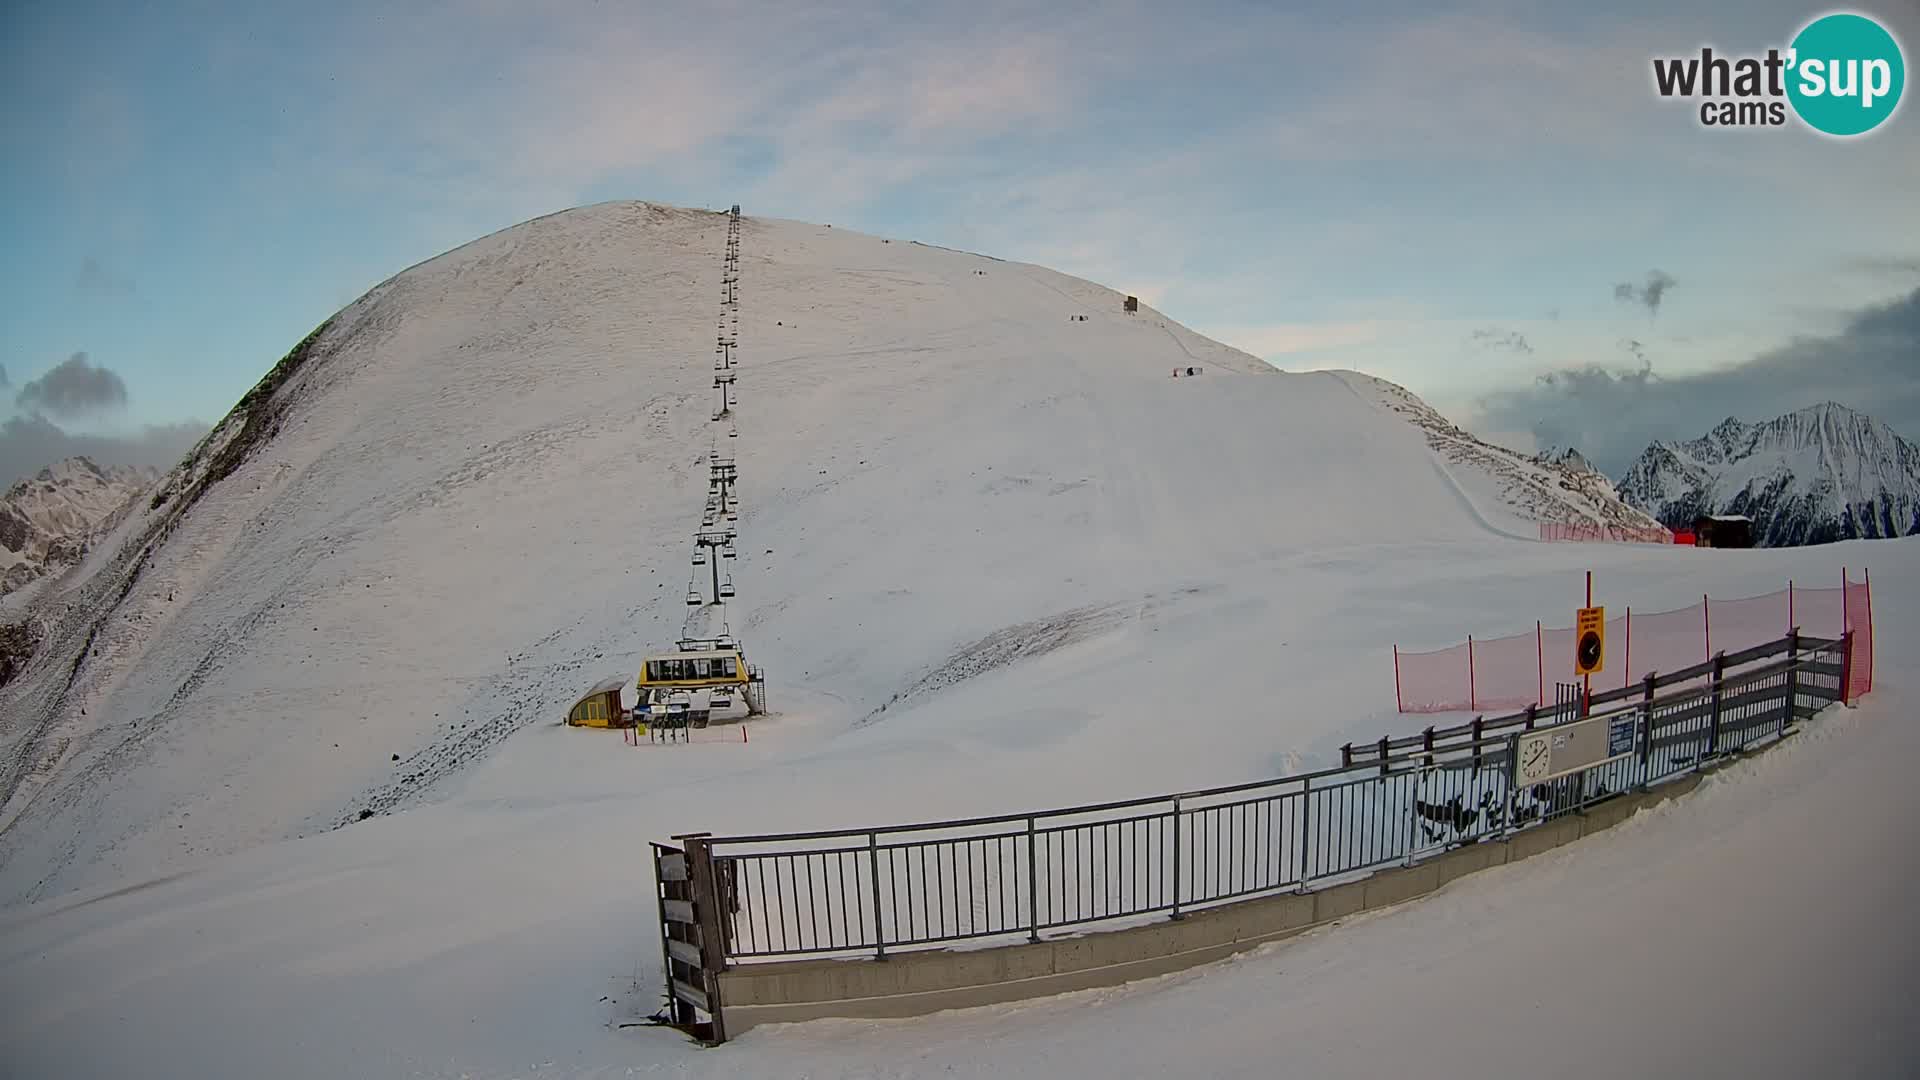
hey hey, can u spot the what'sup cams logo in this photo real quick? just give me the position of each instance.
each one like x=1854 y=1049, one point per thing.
x=1842 y=75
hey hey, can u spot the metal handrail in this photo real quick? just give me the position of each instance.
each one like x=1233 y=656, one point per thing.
x=874 y=889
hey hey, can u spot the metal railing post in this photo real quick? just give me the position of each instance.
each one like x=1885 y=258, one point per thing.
x=1713 y=727
x=1413 y=812
x=1306 y=800
x=873 y=869
x=1646 y=733
x=1033 y=886
x=1793 y=683
x=1176 y=856
x=1513 y=778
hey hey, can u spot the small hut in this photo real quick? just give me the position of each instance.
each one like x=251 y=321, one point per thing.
x=1723 y=531
x=600 y=706
x=1132 y=305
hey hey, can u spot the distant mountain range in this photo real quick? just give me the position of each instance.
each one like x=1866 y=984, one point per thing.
x=48 y=522
x=1821 y=474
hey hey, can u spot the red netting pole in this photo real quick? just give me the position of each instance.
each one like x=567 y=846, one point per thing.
x=1540 y=661
x=1867 y=578
x=1399 y=704
x=1473 y=692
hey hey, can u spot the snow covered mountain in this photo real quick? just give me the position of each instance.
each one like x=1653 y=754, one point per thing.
x=289 y=745
x=1820 y=474
x=474 y=488
x=1567 y=456
x=47 y=522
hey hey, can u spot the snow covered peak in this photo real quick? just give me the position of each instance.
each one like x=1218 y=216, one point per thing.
x=1822 y=473
x=1566 y=457
x=48 y=521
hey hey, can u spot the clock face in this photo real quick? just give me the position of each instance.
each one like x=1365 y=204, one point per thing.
x=1535 y=759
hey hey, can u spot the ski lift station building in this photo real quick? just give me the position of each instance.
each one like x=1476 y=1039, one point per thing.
x=600 y=706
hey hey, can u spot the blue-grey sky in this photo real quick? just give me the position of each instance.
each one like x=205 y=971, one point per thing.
x=1447 y=195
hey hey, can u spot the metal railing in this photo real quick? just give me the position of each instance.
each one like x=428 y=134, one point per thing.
x=875 y=890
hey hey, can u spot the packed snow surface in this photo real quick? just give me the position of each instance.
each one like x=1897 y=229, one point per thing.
x=992 y=558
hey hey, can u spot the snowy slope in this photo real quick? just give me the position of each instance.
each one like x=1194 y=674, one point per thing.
x=469 y=495
x=503 y=932
x=1823 y=473
x=47 y=522
x=1511 y=491
x=992 y=557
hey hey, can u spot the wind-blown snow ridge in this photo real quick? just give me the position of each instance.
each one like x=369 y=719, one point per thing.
x=1556 y=488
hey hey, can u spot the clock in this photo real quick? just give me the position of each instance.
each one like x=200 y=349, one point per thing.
x=1535 y=758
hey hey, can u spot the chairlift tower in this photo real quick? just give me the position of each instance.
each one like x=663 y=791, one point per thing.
x=722 y=474
x=723 y=382
x=722 y=540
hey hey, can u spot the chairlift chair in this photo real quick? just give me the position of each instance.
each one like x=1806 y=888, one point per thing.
x=693 y=598
x=726 y=587
x=729 y=553
x=699 y=556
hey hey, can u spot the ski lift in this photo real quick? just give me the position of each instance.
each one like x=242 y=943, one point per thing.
x=726 y=587
x=729 y=553
x=693 y=598
x=699 y=556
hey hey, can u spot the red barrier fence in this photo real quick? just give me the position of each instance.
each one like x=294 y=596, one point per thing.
x=1590 y=533
x=1517 y=671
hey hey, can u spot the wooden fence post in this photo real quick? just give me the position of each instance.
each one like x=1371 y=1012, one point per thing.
x=706 y=911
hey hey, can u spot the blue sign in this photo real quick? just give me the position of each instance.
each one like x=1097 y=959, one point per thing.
x=1620 y=735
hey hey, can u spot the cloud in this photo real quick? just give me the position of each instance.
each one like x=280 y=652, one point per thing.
x=1650 y=294
x=1492 y=337
x=31 y=443
x=1900 y=266
x=73 y=388
x=1611 y=415
x=96 y=280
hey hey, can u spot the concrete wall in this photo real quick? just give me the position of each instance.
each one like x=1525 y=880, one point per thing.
x=915 y=983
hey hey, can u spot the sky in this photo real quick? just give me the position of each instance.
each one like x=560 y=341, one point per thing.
x=1485 y=202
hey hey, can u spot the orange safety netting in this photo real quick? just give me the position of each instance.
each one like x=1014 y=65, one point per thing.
x=1590 y=533
x=1517 y=671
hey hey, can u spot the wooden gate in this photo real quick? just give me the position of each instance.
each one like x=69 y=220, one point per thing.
x=691 y=925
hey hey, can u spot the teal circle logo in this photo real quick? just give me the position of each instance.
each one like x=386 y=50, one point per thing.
x=1845 y=74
